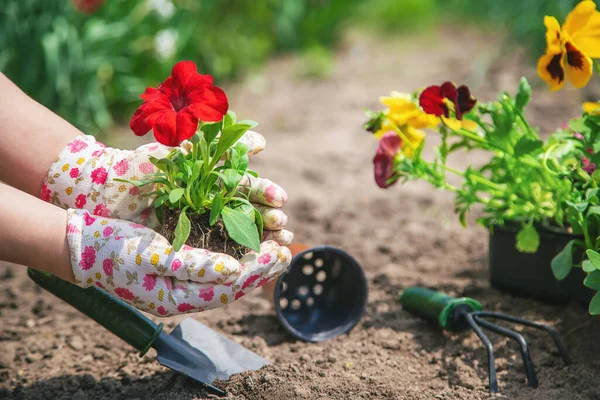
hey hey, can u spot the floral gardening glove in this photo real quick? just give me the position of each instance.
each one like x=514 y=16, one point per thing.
x=139 y=266
x=83 y=177
x=131 y=260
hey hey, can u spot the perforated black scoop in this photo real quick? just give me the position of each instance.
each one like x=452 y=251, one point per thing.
x=322 y=295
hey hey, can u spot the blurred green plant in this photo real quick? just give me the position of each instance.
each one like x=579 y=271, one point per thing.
x=91 y=68
x=523 y=20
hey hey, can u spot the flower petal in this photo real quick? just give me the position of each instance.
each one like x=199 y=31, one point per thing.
x=198 y=81
x=552 y=70
x=432 y=101
x=579 y=66
x=466 y=102
x=588 y=38
x=187 y=125
x=579 y=17
x=389 y=144
x=552 y=35
x=209 y=104
x=165 y=126
x=182 y=72
x=591 y=107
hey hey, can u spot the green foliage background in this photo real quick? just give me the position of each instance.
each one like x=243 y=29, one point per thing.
x=91 y=69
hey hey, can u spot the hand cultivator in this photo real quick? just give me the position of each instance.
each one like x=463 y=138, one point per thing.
x=459 y=315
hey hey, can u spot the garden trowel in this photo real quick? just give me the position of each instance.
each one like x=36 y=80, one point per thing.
x=192 y=348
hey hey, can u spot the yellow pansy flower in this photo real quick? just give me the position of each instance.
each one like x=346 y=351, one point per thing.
x=591 y=107
x=576 y=43
x=456 y=124
x=404 y=110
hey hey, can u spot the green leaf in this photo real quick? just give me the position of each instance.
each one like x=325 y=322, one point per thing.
x=216 y=208
x=527 y=145
x=593 y=280
x=580 y=207
x=251 y=124
x=182 y=230
x=587 y=266
x=593 y=210
x=230 y=178
x=241 y=228
x=563 y=262
x=252 y=173
x=594 y=308
x=230 y=119
x=196 y=171
x=528 y=239
x=229 y=136
x=175 y=195
x=594 y=257
x=211 y=131
x=259 y=222
x=523 y=95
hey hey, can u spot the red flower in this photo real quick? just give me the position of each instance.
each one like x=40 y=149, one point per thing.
x=124 y=294
x=99 y=176
x=88 y=258
x=185 y=307
x=161 y=310
x=46 y=193
x=207 y=294
x=107 y=266
x=173 y=110
x=389 y=146
x=149 y=282
x=74 y=173
x=436 y=100
x=102 y=210
x=588 y=166
x=87 y=6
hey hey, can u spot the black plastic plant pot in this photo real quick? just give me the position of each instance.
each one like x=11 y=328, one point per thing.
x=323 y=294
x=530 y=274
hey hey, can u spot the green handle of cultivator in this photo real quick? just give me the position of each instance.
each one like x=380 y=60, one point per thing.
x=113 y=314
x=438 y=307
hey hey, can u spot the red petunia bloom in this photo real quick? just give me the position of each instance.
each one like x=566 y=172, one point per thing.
x=383 y=162
x=174 y=109
x=436 y=99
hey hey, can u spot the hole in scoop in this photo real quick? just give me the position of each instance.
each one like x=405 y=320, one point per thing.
x=283 y=303
x=307 y=256
x=310 y=301
x=318 y=263
x=308 y=270
x=296 y=304
x=321 y=276
x=318 y=289
x=303 y=291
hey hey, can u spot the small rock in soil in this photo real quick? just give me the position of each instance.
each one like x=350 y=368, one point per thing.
x=30 y=323
x=7 y=355
x=268 y=378
x=331 y=359
x=71 y=384
x=87 y=382
x=76 y=343
x=107 y=386
x=305 y=358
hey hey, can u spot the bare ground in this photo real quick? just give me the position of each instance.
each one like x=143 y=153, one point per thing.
x=403 y=236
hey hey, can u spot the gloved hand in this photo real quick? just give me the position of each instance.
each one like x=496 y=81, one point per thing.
x=132 y=261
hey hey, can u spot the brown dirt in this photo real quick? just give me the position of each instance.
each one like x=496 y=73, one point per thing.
x=202 y=235
x=403 y=236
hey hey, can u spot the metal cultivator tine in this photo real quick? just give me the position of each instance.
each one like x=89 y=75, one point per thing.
x=517 y=337
x=490 y=351
x=551 y=331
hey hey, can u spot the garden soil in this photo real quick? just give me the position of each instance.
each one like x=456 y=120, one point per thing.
x=403 y=236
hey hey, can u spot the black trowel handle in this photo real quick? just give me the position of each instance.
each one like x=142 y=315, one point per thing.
x=113 y=314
